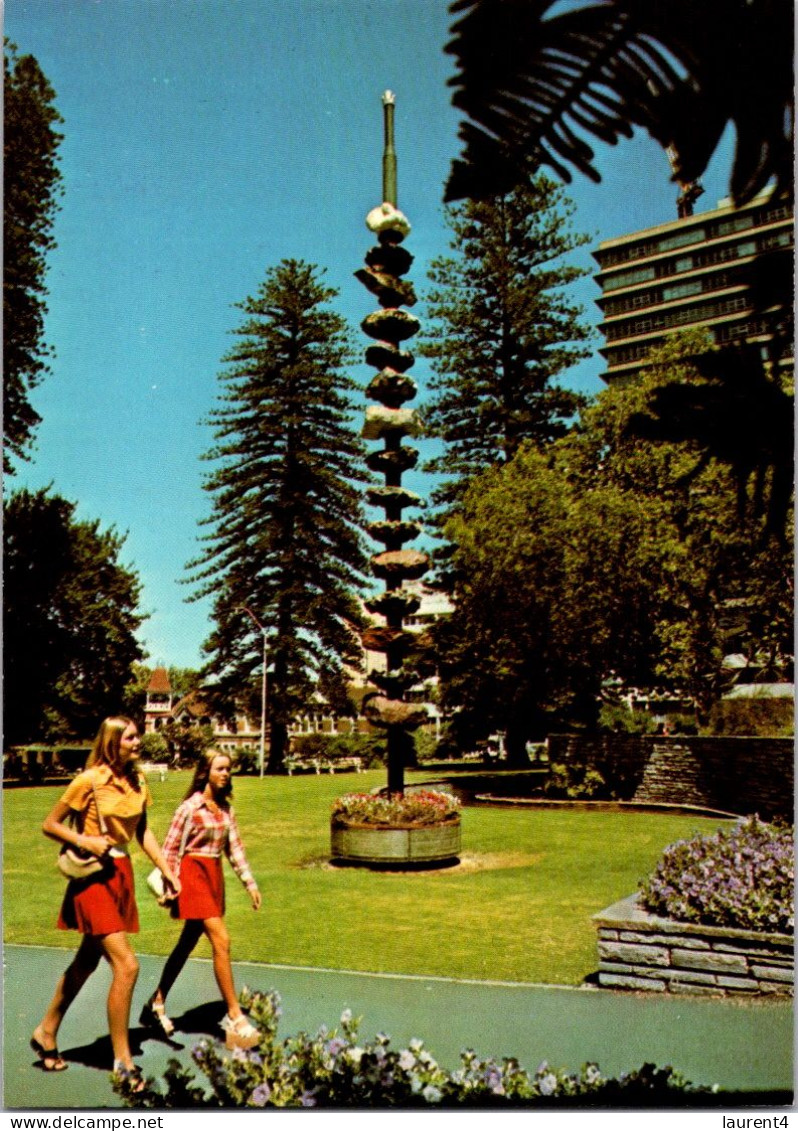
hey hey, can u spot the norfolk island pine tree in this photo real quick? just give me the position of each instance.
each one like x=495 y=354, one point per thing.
x=285 y=529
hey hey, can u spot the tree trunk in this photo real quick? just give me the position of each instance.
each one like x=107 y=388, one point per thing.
x=515 y=746
x=278 y=745
x=396 y=760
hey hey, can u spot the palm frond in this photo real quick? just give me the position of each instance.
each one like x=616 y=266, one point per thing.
x=539 y=90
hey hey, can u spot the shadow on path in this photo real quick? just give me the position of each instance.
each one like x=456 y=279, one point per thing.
x=742 y=1045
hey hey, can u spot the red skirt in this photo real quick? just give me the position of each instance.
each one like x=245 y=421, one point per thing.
x=202 y=889
x=104 y=905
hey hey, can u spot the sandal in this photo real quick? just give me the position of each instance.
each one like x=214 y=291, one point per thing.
x=130 y=1076
x=153 y=1016
x=239 y=1032
x=50 y=1059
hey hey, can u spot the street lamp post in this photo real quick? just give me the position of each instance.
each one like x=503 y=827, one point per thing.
x=264 y=689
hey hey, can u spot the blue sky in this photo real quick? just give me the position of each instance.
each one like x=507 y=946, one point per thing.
x=204 y=141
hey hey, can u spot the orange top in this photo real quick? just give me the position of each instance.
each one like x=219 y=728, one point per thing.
x=120 y=804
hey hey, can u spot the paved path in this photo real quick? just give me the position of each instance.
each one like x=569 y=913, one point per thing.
x=740 y=1044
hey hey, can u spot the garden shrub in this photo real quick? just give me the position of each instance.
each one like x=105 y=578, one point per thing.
x=769 y=718
x=310 y=746
x=72 y=759
x=616 y=718
x=743 y=877
x=576 y=780
x=426 y=745
x=334 y=1070
x=370 y=748
x=246 y=760
x=154 y=747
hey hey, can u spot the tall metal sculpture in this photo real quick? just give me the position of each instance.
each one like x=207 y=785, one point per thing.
x=391 y=388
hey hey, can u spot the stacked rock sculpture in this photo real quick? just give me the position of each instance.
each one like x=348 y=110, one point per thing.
x=390 y=422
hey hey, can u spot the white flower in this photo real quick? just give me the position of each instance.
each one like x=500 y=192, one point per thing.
x=406 y=1060
x=432 y=1094
x=346 y=1016
x=548 y=1084
x=355 y=1054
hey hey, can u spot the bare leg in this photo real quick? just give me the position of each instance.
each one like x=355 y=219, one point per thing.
x=189 y=937
x=219 y=939
x=124 y=970
x=69 y=986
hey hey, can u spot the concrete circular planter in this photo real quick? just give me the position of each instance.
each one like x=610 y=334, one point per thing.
x=369 y=845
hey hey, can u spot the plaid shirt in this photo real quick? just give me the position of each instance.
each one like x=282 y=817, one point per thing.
x=209 y=834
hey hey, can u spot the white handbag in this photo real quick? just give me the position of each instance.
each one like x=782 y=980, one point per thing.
x=155 y=880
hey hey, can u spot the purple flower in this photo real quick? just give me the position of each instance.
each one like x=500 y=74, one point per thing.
x=260 y=1097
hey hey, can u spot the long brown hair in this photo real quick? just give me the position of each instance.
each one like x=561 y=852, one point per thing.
x=105 y=751
x=203 y=771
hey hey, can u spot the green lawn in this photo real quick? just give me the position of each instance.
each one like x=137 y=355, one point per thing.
x=517 y=908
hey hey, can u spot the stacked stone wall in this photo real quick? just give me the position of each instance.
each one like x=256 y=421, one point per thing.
x=639 y=951
x=734 y=775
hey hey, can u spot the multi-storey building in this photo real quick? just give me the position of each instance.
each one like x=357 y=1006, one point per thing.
x=694 y=271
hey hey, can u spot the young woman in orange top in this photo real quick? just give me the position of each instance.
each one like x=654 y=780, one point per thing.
x=103 y=906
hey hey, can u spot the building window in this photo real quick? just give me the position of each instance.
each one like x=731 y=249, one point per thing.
x=736 y=224
x=681 y=290
x=628 y=278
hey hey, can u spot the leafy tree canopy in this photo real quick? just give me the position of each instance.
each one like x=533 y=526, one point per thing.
x=605 y=555
x=70 y=615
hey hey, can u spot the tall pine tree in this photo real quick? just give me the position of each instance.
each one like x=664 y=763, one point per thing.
x=286 y=515
x=502 y=331
x=31 y=186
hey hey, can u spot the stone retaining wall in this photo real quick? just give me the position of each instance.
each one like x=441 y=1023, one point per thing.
x=640 y=951
x=733 y=775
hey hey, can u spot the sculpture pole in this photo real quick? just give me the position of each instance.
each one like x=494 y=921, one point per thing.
x=389 y=326
x=389 y=153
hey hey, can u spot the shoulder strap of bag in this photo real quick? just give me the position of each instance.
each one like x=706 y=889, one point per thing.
x=100 y=818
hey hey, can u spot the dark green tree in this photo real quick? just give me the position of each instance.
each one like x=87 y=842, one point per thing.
x=552 y=594
x=70 y=615
x=502 y=331
x=285 y=540
x=606 y=556
x=31 y=185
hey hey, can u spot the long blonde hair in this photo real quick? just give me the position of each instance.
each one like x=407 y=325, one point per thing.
x=203 y=771
x=105 y=751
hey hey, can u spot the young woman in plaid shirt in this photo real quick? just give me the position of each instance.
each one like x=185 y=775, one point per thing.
x=204 y=826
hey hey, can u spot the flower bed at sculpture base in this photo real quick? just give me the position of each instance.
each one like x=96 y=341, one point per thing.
x=420 y=827
x=641 y=951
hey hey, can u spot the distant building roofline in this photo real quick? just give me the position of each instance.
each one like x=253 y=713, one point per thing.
x=680 y=223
